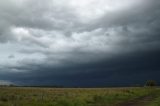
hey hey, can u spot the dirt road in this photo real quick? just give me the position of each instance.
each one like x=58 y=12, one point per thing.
x=142 y=101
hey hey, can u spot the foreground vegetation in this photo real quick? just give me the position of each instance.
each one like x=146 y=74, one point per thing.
x=155 y=101
x=19 y=96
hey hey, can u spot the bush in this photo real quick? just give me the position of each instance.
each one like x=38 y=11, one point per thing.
x=151 y=83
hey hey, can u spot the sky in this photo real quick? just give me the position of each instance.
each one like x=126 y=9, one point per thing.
x=81 y=43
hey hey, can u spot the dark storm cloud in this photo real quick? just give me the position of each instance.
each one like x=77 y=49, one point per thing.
x=55 y=43
x=131 y=69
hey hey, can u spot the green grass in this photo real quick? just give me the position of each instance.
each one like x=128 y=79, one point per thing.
x=12 y=96
x=156 y=101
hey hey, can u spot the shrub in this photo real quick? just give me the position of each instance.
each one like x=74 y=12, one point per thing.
x=151 y=83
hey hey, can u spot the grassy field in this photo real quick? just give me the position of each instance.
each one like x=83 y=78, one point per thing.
x=19 y=96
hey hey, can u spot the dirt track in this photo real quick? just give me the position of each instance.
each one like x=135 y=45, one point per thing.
x=143 y=101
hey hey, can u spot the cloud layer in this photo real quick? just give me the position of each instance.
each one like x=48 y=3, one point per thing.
x=58 y=40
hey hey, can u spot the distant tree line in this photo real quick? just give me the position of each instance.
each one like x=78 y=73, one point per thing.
x=10 y=85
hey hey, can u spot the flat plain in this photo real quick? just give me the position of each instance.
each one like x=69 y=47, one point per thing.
x=120 y=96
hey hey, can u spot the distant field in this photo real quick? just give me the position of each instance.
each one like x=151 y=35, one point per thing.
x=21 y=96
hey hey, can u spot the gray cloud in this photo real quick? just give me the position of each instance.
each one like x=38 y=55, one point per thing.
x=11 y=56
x=71 y=38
